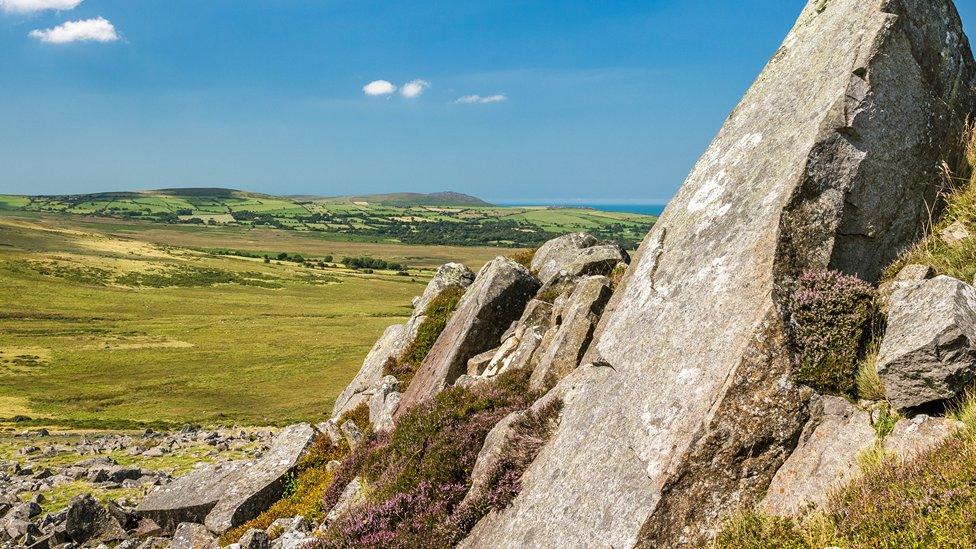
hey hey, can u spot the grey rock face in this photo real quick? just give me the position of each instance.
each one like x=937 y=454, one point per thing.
x=928 y=352
x=955 y=234
x=360 y=389
x=189 y=498
x=490 y=455
x=192 y=536
x=826 y=457
x=351 y=495
x=575 y=319
x=383 y=404
x=554 y=255
x=828 y=162
x=88 y=520
x=257 y=486
x=396 y=338
x=497 y=297
x=576 y=254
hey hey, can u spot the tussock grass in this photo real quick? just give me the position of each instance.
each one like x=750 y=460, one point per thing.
x=869 y=384
x=958 y=203
x=438 y=312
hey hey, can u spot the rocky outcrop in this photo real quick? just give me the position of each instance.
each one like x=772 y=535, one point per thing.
x=928 y=352
x=396 y=338
x=255 y=487
x=495 y=299
x=825 y=458
x=384 y=403
x=913 y=436
x=193 y=536
x=688 y=409
x=574 y=318
x=576 y=254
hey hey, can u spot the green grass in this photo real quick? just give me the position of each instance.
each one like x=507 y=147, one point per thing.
x=118 y=333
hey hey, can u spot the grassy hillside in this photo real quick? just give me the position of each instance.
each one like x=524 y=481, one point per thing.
x=390 y=219
x=408 y=199
x=105 y=330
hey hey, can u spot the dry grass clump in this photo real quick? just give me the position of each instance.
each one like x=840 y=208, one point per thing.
x=523 y=257
x=869 y=384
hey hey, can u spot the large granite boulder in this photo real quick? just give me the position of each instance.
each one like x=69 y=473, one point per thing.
x=825 y=458
x=88 y=521
x=576 y=254
x=497 y=297
x=396 y=338
x=255 y=487
x=576 y=316
x=688 y=409
x=928 y=353
x=189 y=498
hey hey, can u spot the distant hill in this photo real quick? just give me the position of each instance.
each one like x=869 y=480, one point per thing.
x=447 y=198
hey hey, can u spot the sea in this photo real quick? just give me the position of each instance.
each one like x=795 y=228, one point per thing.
x=646 y=209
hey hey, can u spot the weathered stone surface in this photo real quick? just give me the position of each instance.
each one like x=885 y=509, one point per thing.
x=351 y=495
x=955 y=234
x=577 y=317
x=383 y=404
x=497 y=297
x=449 y=275
x=553 y=256
x=914 y=273
x=918 y=434
x=826 y=457
x=189 y=498
x=479 y=362
x=87 y=520
x=351 y=433
x=192 y=536
x=828 y=162
x=360 y=389
x=396 y=338
x=928 y=352
x=254 y=539
x=261 y=483
x=597 y=260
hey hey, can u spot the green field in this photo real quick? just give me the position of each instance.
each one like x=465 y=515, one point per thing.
x=109 y=323
x=350 y=219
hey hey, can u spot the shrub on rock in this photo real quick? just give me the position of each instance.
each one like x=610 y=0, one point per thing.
x=831 y=315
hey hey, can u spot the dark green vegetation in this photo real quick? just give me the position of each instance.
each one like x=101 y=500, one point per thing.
x=438 y=313
x=443 y=219
x=831 y=315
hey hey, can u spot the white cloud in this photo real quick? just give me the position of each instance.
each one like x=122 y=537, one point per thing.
x=88 y=30
x=379 y=87
x=481 y=99
x=414 y=88
x=27 y=6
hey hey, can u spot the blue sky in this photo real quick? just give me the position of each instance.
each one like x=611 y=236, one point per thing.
x=591 y=99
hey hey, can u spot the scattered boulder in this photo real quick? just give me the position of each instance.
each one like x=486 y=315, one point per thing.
x=828 y=162
x=351 y=432
x=490 y=456
x=87 y=520
x=826 y=457
x=254 y=488
x=497 y=297
x=191 y=497
x=928 y=353
x=190 y=535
